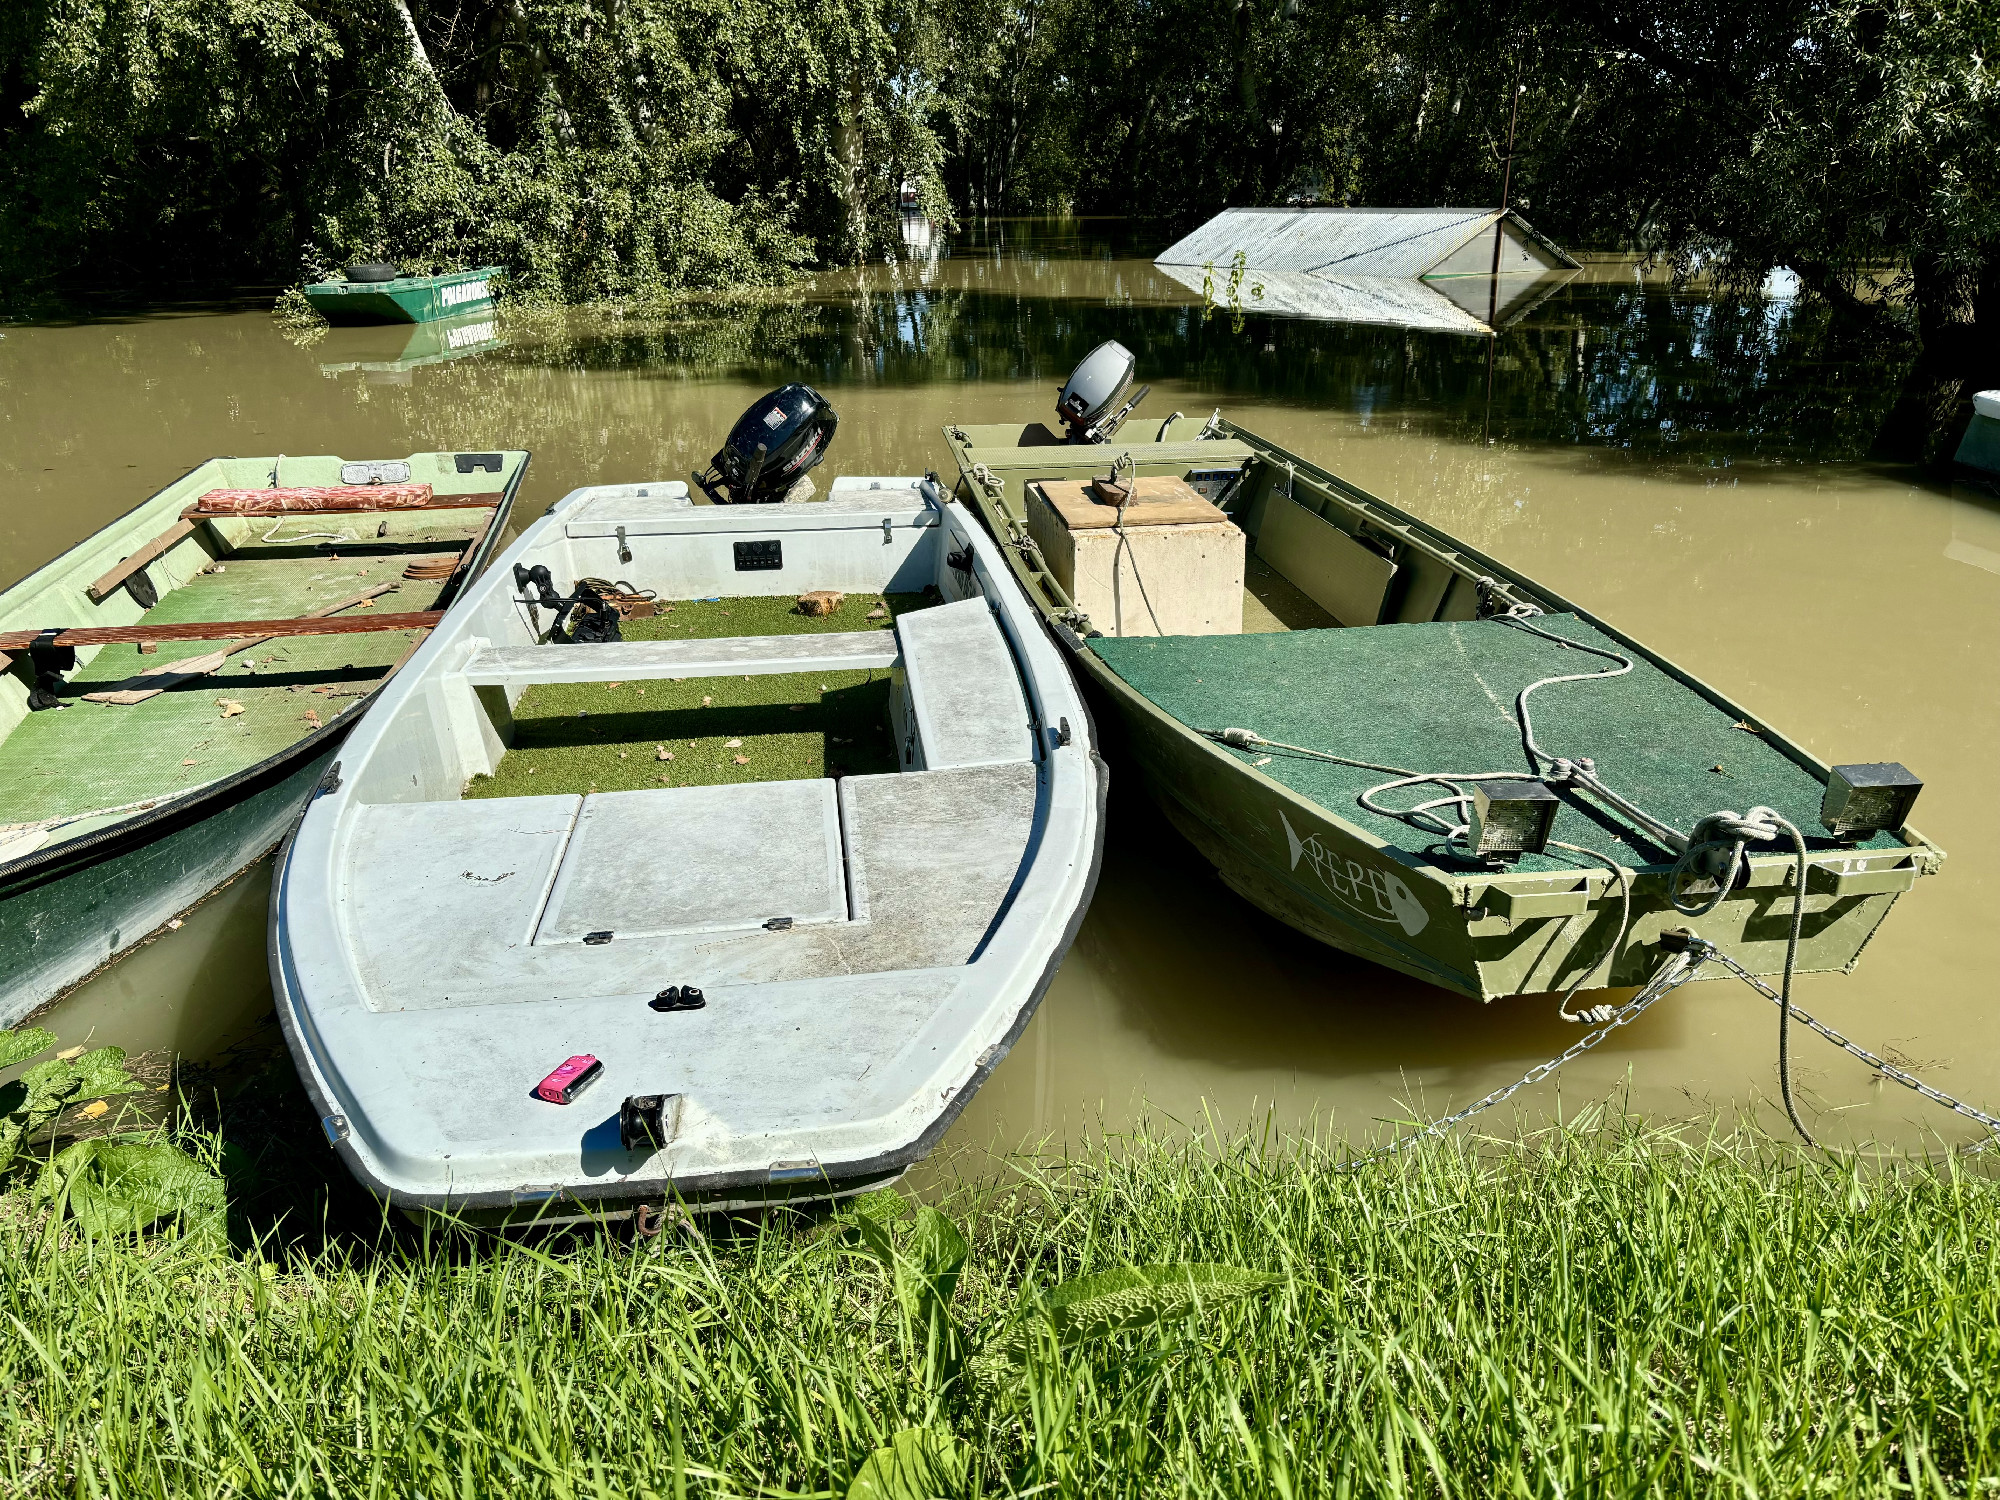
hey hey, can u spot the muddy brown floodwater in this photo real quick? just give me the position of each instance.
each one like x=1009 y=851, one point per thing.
x=1694 y=471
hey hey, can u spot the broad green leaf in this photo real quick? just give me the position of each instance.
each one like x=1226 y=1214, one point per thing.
x=19 y=1046
x=920 y=1463
x=101 y=1073
x=883 y=1206
x=116 y=1186
x=1134 y=1297
x=929 y=1267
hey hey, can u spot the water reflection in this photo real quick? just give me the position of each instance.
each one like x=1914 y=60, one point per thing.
x=1686 y=467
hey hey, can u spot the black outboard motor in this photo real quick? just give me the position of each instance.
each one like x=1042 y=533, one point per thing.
x=770 y=448
x=1093 y=404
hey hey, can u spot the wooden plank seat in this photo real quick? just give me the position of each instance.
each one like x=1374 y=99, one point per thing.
x=629 y=661
x=220 y=630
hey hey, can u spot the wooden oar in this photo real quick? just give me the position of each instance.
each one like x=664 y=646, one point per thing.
x=156 y=680
x=220 y=630
x=128 y=566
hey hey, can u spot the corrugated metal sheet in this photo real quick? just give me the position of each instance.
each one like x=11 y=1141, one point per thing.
x=1337 y=241
x=1389 y=301
x=1362 y=265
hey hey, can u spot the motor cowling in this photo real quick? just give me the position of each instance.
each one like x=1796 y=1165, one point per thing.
x=1093 y=400
x=771 y=447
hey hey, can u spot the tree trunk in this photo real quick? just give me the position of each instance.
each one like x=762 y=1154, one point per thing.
x=847 y=145
x=1935 y=403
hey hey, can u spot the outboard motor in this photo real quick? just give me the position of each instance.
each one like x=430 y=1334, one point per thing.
x=1092 y=404
x=770 y=448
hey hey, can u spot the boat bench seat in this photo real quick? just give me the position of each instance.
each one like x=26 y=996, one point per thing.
x=630 y=661
x=964 y=692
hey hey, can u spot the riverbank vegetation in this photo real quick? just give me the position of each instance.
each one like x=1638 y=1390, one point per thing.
x=1598 y=1308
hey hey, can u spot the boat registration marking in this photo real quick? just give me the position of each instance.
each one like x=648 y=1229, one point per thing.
x=465 y=291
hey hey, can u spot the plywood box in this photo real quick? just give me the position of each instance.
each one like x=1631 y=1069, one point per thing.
x=1174 y=566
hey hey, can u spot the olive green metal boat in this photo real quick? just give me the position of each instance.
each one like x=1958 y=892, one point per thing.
x=1372 y=648
x=129 y=792
x=405 y=299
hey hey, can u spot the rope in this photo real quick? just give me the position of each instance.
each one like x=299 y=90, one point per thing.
x=1126 y=461
x=1599 y=1013
x=1708 y=952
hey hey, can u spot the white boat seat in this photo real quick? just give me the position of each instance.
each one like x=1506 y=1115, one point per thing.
x=640 y=661
x=964 y=690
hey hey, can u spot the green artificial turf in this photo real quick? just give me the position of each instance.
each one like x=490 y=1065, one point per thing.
x=91 y=755
x=581 y=737
x=1440 y=697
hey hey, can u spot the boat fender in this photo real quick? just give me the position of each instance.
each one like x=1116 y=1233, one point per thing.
x=49 y=662
x=646 y=1122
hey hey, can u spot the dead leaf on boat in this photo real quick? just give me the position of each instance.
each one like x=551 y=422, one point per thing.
x=739 y=760
x=663 y=753
x=732 y=744
x=229 y=706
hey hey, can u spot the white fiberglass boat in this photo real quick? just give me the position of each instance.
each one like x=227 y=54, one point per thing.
x=793 y=881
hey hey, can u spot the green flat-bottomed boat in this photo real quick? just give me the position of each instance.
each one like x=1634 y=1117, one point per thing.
x=128 y=793
x=1354 y=643
x=405 y=299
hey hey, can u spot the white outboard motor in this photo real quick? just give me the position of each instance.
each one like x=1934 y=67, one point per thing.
x=1093 y=402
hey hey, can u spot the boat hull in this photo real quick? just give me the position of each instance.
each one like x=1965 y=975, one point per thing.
x=408 y=299
x=1280 y=853
x=76 y=905
x=84 y=908
x=1486 y=934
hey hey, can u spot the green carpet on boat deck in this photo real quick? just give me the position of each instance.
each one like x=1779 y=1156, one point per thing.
x=581 y=737
x=1440 y=697
x=92 y=755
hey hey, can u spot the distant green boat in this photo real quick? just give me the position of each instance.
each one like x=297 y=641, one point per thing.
x=389 y=355
x=404 y=299
x=221 y=647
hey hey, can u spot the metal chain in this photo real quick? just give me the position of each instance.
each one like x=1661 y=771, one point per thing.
x=1677 y=971
x=1886 y=1069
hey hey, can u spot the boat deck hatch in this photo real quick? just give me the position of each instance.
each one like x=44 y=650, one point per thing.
x=699 y=859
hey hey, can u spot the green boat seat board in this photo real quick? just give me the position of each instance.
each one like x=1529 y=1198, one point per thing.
x=1440 y=697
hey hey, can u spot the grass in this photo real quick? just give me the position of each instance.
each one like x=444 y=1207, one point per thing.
x=1598 y=1309
x=580 y=737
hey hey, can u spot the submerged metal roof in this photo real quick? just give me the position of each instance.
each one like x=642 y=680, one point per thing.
x=1359 y=265
x=1389 y=301
x=1344 y=241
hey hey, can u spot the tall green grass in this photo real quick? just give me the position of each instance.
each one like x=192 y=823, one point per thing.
x=1600 y=1309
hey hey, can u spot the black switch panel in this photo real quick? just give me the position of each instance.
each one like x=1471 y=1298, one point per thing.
x=467 y=462
x=754 y=556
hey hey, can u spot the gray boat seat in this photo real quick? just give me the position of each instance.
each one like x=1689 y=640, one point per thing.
x=639 y=661
x=964 y=693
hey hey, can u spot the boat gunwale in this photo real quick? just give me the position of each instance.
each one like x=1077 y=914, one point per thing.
x=65 y=857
